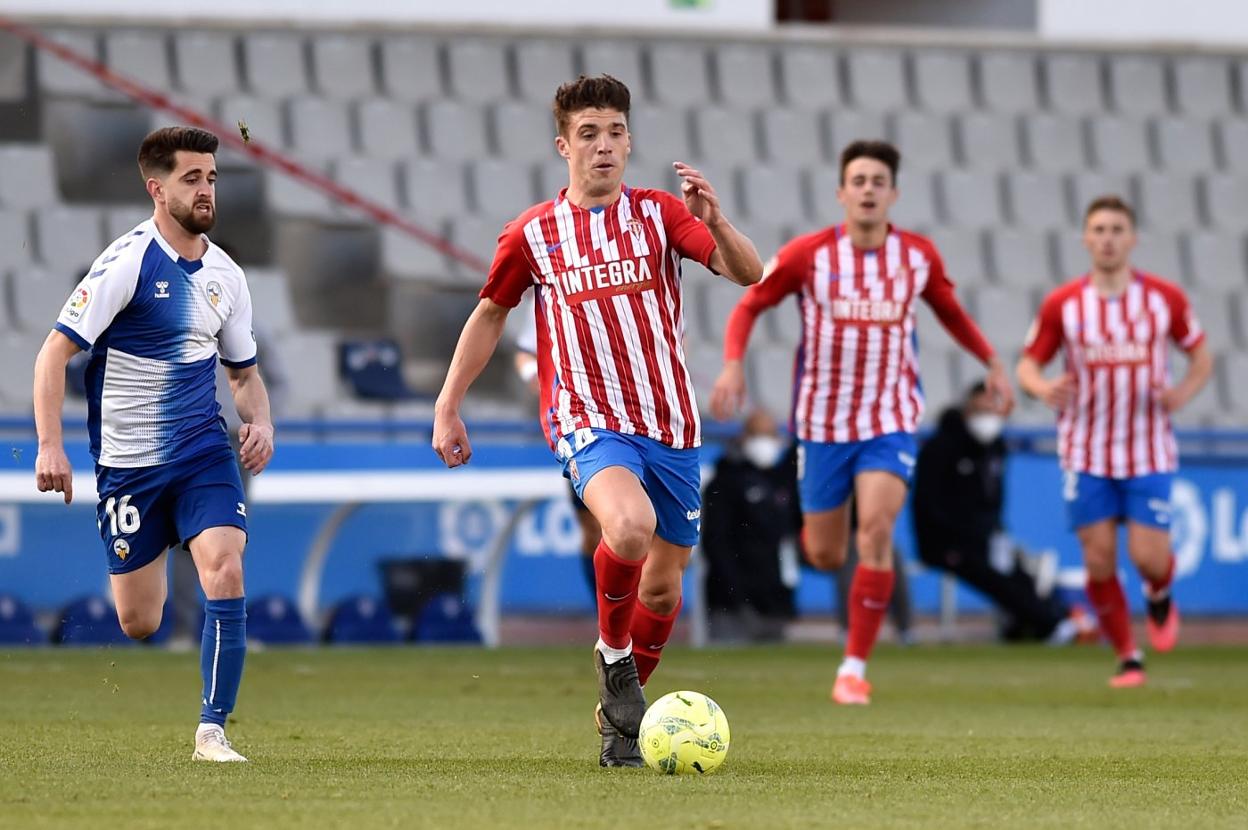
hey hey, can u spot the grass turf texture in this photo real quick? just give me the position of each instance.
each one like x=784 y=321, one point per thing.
x=965 y=737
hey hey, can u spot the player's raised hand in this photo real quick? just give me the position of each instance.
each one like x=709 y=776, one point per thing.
x=52 y=472
x=1059 y=391
x=998 y=384
x=699 y=196
x=728 y=394
x=256 y=448
x=450 y=439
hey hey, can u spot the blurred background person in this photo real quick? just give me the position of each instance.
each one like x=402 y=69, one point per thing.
x=958 y=496
x=749 y=510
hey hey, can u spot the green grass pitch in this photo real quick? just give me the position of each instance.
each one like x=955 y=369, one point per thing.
x=957 y=737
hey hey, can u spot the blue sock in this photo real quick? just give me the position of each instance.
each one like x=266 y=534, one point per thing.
x=221 y=657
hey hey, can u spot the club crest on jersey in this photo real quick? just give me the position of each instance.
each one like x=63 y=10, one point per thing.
x=122 y=548
x=78 y=302
x=214 y=293
x=162 y=289
x=573 y=471
x=635 y=227
x=606 y=279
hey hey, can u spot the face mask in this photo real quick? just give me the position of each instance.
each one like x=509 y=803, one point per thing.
x=985 y=426
x=763 y=451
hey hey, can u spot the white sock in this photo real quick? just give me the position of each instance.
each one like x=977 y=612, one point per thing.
x=853 y=665
x=613 y=655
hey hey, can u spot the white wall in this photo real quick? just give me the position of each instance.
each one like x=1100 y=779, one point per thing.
x=1220 y=22
x=660 y=14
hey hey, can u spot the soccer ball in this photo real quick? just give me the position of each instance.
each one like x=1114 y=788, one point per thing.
x=683 y=733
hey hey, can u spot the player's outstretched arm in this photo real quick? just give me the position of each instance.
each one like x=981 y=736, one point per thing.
x=251 y=399
x=477 y=343
x=1199 y=370
x=52 y=470
x=735 y=256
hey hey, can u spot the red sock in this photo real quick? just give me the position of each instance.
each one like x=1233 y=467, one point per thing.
x=1110 y=605
x=1159 y=588
x=869 y=595
x=617 y=580
x=650 y=633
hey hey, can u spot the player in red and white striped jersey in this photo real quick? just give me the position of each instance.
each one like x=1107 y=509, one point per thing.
x=857 y=399
x=618 y=403
x=1114 y=400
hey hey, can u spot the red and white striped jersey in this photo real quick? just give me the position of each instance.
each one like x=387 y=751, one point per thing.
x=856 y=369
x=610 y=330
x=1116 y=349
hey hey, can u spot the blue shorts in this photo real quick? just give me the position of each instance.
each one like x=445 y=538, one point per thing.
x=672 y=477
x=826 y=471
x=1141 y=499
x=144 y=510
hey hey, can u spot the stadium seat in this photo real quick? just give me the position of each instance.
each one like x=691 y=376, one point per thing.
x=478 y=69
x=1009 y=82
x=274 y=620
x=771 y=378
x=435 y=189
x=17 y=382
x=925 y=140
x=1233 y=140
x=293 y=198
x=846 y=125
x=69 y=238
x=196 y=50
x=319 y=129
x=1157 y=250
x=1235 y=369
x=659 y=133
x=1226 y=201
x=501 y=189
x=745 y=76
x=1184 y=145
x=275 y=64
x=792 y=137
x=719 y=297
x=38 y=297
x=877 y=79
x=263 y=119
x=373 y=369
x=1004 y=313
x=988 y=141
x=477 y=235
x=1137 y=84
x=1036 y=200
x=374 y=179
x=774 y=194
x=1216 y=312
x=1167 y=200
x=726 y=136
x=139 y=55
x=1071 y=255
x=17 y=624
x=446 y=618
x=407 y=258
x=940 y=388
x=410 y=68
x=523 y=132
x=122 y=219
x=14 y=56
x=963 y=252
x=1054 y=143
x=541 y=66
x=315 y=353
x=1084 y=187
x=270 y=299
x=15 y=252
x=1120 y=145
x=455 y=131
x=361 y=619
x=342 y=66
x=686 y=62
x=27 y=176
x=915 y=207
x=1202 y=86
x=1020 y=257
x=60 y=78
x=767 y=235
x=618 y=58
x=89 y=621
x=784 y=323
x=970 y=200
x=1074 y=83
x=943 y=80
x=1217 y=261
x=810 y=77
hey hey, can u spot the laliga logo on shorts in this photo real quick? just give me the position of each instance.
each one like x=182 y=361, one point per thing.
x=122 y=548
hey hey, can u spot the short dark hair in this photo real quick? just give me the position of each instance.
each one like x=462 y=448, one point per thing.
x=158 y=152
x=596 y=92
x=1109 y=202
x=872 y=149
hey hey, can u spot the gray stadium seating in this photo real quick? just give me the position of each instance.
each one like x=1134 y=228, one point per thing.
x=943 y=81
x=541 y=66
x=500 y=189
x=784 y=323
x=771 y=375
x=270 y=299
x=1120 y=145
x=679 y=74
x=27 y=176
x=1008 y=82
x=16 y=383
x=915 y=207
x=963 y=252
x=745 y=76
x=1054 y=143
x=1184 y=145
x=478 y=70
x=1217 y=261
x=140 y=56
x=455 y=131
x=659 y=133
x=15 y=249
x=275 y=64
x=38 y=297
x=206 y=62
x=1226 y=198
x=1084 y=187
x=407 y=258
x=970 y=199
x=122 y=219
x=434 y=189
x=523 y=132
x=69 y=238
x=1137 y=85
x=810 y=77
x=374 y=179
x=1202 y=86
x=773 y=193
x=728 y=136
x=59 y=78
x=13 y=69
x=410 y=69
x=877 y=79
x=846 y=125
x=1233 y=139
x=1074 y=83
x=387 y=129
x=343 y=67
x=621 y=59
x=792 y=136
x=928 y=139
x=1158 y=251
x=263 y=119
x=1037 y=200
x=1020 y=258
x=988 y=141
x=1166 y=200
x=320 y=129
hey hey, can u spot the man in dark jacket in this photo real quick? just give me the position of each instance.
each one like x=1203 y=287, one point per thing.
x=958 y=496
x=749 y=509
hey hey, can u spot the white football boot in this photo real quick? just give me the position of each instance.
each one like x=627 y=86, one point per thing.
x=212 y=745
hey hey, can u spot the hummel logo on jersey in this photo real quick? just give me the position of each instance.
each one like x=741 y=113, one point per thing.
x=242 y=509
x=162 y=290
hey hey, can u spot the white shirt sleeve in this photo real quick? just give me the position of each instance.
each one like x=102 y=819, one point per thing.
x=237 y=341
x=98 y=298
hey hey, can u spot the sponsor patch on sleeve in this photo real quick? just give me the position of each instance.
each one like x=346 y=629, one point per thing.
x=78 y=302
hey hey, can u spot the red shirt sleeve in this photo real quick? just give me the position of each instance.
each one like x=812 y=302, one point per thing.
x=685 y=232
x=940 y=296
x=511 y=273
x=1185 y=329
x=782 y=276
x=1044 y=337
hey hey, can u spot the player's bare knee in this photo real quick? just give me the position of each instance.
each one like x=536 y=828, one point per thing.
x=826 y=556
x=223 y=578
x=629 y=534
x=660 y=599
x=139 y=625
